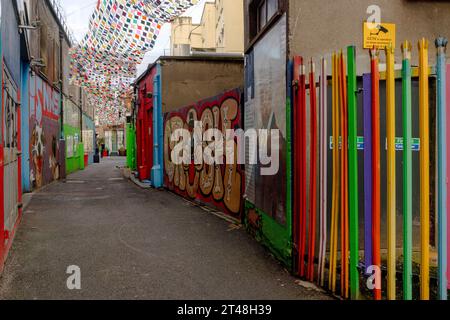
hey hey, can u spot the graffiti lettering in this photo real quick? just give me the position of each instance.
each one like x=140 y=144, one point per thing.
x=199 y=133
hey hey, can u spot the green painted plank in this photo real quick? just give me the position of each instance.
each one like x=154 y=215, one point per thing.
x=407 y=173
x=353 y=172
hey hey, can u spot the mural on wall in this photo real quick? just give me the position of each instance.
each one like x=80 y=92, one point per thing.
x=44 y=132
x=219 y=185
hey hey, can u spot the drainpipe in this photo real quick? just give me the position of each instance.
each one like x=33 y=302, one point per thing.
x=81 y=113
x=62 y=142
x=157 y=171
x=61 y=88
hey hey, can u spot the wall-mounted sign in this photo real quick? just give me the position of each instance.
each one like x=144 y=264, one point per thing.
x=378 y=35
x=398 y=144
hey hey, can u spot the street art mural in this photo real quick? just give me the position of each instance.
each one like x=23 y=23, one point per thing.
x=219 y=185
x=44 y=132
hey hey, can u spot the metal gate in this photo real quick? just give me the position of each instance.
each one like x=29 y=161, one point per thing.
x=11 y=153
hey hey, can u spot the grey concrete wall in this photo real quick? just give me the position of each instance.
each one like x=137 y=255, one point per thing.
x=45 y=43
x=316 y=28
x=188 y=81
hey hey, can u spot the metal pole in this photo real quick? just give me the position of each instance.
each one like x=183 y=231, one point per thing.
x=407 y=171
x=391 y=172
x=424 y=171
x=353 y=172
x=441 y=45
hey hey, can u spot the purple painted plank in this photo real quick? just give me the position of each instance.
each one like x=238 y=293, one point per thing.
x=368 y=187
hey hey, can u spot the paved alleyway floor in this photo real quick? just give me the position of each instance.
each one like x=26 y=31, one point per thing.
x=132 y=243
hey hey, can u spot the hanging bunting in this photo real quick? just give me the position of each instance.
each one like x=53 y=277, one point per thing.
x=120 y=33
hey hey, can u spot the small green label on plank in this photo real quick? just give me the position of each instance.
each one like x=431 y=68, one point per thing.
x=360 y=142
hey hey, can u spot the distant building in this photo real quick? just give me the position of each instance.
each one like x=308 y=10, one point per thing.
x=220 y=30
x=168 y=85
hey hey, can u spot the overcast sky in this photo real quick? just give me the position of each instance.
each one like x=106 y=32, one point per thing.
x=78 y=14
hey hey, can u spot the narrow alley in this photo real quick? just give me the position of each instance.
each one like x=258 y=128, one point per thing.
x=132 y=243
x=224 y=150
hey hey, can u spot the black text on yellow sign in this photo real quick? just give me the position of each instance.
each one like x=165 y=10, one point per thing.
x=379 y=35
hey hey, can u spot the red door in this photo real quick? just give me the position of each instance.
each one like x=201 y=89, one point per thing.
x=145 y=133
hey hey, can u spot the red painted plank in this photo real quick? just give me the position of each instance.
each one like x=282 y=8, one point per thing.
x=376 y=226
x=313 y=172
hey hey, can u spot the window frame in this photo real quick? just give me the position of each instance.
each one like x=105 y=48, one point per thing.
x=255 y=31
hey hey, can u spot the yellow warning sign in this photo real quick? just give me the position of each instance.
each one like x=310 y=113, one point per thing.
x=378 y=35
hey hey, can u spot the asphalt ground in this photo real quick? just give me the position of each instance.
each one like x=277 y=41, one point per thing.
x=130 y=243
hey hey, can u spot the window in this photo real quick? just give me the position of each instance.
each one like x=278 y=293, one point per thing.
x=261 y=12
x=267 y=9
x=272 y=8
x=262 y=15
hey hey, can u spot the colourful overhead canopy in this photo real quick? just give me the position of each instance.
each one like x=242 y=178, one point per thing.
x=120 y=33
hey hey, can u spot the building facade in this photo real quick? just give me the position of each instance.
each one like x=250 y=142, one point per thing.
x=193 y=79
x=13 y=54
x=220 y=30
x=41 y=138
x=276 y=32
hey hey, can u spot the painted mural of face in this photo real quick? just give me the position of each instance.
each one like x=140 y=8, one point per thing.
x=37 y=154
